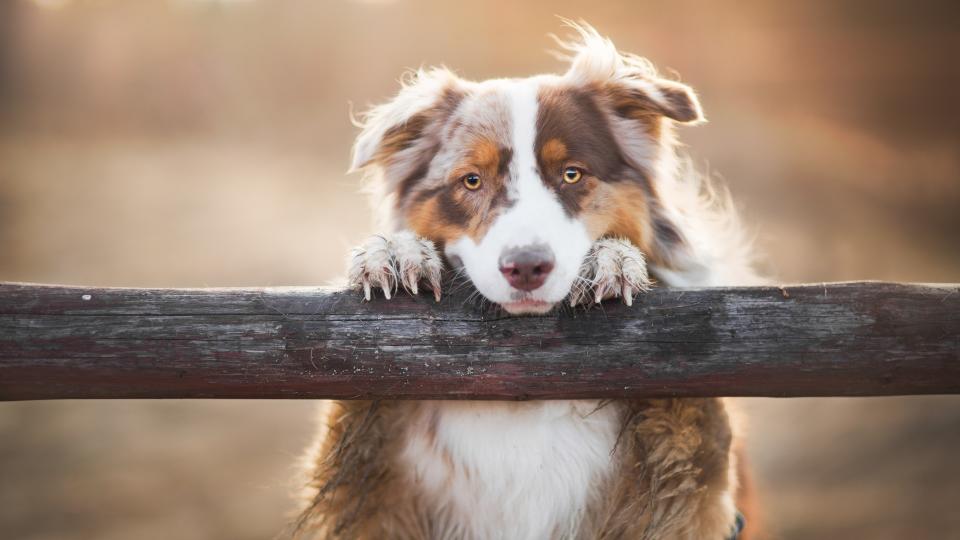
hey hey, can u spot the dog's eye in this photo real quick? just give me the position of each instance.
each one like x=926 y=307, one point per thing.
x=471 y=181
x=572 y=175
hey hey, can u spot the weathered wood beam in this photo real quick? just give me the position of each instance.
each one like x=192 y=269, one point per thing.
x=842 y=339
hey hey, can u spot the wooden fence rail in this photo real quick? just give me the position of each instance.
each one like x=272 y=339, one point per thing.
x=841 y=339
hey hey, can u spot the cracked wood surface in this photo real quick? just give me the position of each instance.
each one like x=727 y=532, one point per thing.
x=839 y=339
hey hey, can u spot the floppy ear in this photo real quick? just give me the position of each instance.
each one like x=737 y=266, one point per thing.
x=406 y=128
x=645 y=98
x=632 y=82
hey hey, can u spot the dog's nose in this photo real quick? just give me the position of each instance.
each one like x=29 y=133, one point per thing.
x=527 y=268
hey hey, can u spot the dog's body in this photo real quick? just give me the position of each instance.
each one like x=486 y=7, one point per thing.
x=539 y=190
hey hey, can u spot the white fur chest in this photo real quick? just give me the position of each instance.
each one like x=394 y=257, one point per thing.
x=495 y=470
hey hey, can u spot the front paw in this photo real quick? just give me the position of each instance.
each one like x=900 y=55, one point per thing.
x=390 y=261
x=613 y=267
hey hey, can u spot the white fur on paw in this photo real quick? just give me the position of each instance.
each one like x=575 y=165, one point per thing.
x=401 y=259
x=613 y=267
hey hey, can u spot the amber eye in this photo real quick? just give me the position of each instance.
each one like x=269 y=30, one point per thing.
x=471 y=181
x=572 y=175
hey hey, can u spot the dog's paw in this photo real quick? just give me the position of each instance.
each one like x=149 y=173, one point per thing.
x=389 y=262
x=613 y=267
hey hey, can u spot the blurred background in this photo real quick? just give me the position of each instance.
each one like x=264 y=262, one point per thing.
x=205 y=143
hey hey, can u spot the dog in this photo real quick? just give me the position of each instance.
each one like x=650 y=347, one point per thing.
x=542 y=192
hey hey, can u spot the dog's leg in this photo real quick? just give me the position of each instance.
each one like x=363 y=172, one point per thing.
x=387 y=262
x=613 y=267
x=354 y=489
x=678 y=479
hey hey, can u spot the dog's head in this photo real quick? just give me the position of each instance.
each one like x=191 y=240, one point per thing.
x=516 y=178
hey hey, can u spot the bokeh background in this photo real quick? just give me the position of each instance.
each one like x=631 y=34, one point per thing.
x=205 y=143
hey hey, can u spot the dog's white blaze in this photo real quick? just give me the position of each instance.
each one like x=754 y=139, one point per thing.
x=535 y=217
x=505 y=471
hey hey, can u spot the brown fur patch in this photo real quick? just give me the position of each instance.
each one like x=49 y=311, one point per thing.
x=616 y=197
x=635 y=103
x=355 y=490
x=673 y=473
x=572 y=130
x=572 y=117
x=400 y=137
x=632 y=103
x=432 y=200
x=450 y=211
x=624 y=214
x=407 y=149
x=434 y=218
x=680 y=103
x=553 y=152
x=486 y=155
x=404 y=136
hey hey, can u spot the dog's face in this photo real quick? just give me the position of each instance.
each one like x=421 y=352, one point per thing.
x=515 y=179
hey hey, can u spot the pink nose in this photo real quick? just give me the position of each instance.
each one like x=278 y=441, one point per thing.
x=526 y=268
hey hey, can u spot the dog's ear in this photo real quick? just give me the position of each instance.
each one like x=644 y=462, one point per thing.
x=408 y=126
x=631 y=82
x=642 y=98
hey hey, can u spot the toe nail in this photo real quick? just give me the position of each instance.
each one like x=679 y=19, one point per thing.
x=412 y=280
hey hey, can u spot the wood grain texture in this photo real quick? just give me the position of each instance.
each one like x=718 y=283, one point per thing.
x=842 y=339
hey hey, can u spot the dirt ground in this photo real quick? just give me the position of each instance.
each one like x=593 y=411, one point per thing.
x=204 y=144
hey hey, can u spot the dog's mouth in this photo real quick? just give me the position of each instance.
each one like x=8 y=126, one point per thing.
x=527 y=306
x=524 y=303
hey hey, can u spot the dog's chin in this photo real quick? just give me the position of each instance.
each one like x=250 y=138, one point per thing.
x=527 y=307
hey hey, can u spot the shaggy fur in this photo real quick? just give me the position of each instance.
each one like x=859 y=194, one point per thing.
x=582 y=166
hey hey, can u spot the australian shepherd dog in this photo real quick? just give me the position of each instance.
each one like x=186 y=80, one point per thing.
x=547 y=191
